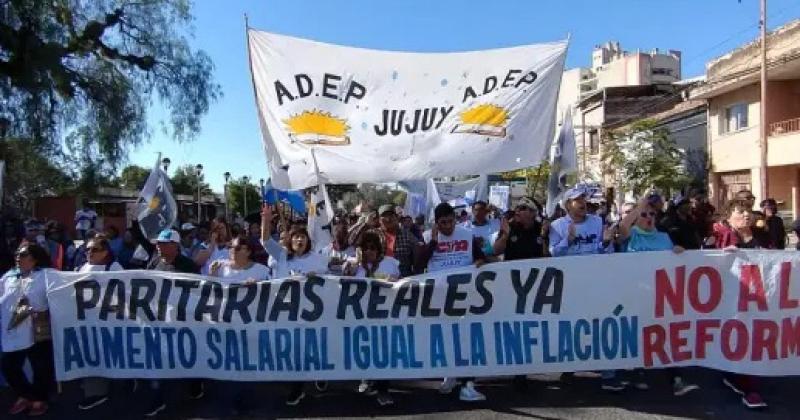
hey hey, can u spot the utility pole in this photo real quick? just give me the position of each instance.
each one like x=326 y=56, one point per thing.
x=763 y=175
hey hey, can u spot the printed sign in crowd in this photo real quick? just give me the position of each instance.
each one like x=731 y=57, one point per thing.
x=730 y=311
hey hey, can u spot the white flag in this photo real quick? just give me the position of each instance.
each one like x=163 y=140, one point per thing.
x=563 y=161
x=156 y=205
x=320 y=216
x=384 y=116
x=431 y=199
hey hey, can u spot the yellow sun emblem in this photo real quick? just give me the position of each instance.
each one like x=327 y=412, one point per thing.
x=484 y=119
x=154 y=202
x=317 y=127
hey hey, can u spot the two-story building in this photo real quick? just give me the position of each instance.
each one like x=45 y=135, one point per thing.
x=732 y=91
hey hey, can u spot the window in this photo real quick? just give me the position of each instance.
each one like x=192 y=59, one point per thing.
x=662 y=71
x=735 y=118
x=594 y=142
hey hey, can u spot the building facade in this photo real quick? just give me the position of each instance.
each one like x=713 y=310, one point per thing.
x=732 y=91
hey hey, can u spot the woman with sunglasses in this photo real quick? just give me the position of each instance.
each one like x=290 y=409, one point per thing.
x=99 y=258
x=241 y=267
x=292 y=257
x=638 y=228
x=25 y=330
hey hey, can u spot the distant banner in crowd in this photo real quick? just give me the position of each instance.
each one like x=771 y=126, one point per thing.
x=499 y=196
x=729 y=311
x=377 y=116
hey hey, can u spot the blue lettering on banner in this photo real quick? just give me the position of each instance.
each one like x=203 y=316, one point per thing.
x=630 y=337
x=187 y=348
x=546 y=356
x=296 y=348
x=213 y=338
x=72 y=350
x=113 y=347
x=247 y=364
x=380 y=346
x=582 y=328
x=131 y=350
x=529 y=339
x=283 y=349
x=232 y=351
x=91 y=360
x=311 y=351
x=170 y=334
x=438 y=357
x=610 y=344
x=152 y=346
x=498 y=344
x=565 y=352
x=264 y=351
x=361 y=346
x=477 y=347
x=459 y=360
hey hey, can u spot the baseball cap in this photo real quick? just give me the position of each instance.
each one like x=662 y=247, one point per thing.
x=526 y=202
x=168 y=235
x=575 y=192
x=187 y=226
x=386 y=208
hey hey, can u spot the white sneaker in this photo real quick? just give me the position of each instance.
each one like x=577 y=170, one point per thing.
x=468 y=393
x=447 y=386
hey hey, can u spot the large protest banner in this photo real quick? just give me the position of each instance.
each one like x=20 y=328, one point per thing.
x=377 y=116
x=730 y=311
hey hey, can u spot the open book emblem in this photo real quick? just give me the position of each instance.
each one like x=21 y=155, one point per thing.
x=484 y=119
x=317 y=128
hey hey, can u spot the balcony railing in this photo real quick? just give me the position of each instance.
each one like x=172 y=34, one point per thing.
x=784 y=127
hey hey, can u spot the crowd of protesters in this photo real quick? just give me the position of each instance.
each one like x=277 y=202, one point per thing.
x=379 y=244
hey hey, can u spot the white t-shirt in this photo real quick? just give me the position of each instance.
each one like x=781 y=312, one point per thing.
x=255 y=272
x=86 y=268
x=486 y=231
x=12 y=287
x=84 y=219
x=451 y=251
x=216 y=254
x=311 y=262
x=388 y=267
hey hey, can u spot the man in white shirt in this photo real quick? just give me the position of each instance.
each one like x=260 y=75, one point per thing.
x=450 y=246
x=85 y=219
x=482 y=227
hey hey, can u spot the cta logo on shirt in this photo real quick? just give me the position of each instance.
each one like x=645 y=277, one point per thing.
x=452 y=246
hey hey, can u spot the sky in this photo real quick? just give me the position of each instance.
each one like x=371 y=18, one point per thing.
x=230 y=139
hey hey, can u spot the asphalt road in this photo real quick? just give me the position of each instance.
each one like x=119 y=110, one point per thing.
x=545 y=399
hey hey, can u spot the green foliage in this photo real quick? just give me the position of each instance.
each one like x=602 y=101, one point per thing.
x=28 y=175
x=133 y=177
x=185 y=181
x=77 y=77
x=237 y=189
x=537 y=178
x=373 y=196
x=643 y=157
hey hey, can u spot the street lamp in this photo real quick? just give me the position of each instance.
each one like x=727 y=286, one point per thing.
x=227 y=178
x=246 y=180
x=199 y=171
x=165 y=163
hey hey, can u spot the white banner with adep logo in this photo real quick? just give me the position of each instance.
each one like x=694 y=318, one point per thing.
x=729 y=311
x=376 y=116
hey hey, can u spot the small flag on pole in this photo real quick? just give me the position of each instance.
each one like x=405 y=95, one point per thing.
x=156 y=206
x=563 y=161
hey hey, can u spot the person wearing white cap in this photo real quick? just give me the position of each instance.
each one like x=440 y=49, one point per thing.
x=579 y=233
x=166 y=255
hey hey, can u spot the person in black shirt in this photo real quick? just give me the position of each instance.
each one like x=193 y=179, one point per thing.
x=775 y=228
x=521 y=237
x=683 y=230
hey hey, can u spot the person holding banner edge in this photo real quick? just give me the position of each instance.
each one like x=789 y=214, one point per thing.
x=100 y=258
x=294 y=257
x=449 y=246
x=166 y=255
x=639 y=233
x=26 y=330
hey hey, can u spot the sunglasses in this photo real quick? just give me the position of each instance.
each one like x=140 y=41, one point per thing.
x=648 y=214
